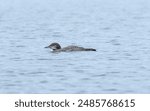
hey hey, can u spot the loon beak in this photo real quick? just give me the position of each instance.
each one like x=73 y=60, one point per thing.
x=47 y=47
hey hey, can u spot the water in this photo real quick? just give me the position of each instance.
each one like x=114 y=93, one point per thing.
x=119 y=30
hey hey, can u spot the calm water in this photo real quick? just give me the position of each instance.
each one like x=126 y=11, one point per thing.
x=119 y=30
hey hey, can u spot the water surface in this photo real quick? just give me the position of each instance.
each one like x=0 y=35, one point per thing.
x=119 y=30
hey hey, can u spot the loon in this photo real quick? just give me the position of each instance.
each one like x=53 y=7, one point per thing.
x=57 y=48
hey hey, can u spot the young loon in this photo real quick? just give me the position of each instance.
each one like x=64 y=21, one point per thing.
x=57 y=48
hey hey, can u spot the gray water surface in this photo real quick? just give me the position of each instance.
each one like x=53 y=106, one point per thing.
x=119 y=30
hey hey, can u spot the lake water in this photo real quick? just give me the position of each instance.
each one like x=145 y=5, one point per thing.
x=118 y=29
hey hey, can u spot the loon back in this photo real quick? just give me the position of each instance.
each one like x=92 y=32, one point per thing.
x=77 y=48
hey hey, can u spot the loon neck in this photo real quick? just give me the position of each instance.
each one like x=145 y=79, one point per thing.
x=56 y=49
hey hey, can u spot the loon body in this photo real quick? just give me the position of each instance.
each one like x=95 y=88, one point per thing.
x=57 y=48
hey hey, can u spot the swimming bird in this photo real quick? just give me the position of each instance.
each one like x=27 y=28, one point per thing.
x=57 y=48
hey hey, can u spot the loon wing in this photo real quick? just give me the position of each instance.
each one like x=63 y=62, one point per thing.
x=72 y=48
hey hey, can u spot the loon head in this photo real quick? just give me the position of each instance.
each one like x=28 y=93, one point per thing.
x=54 y=46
